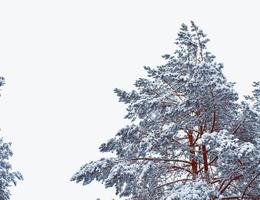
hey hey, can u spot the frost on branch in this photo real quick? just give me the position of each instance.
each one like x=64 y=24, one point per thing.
x=189 y=135
x=127 y=176
x=195 y=190
x=231 y=151
x=7 y=176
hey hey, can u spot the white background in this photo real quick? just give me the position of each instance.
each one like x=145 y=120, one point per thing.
x=62 y=59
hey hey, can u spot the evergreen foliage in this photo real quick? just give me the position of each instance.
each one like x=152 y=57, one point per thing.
x=7 y=176
x=189 y=138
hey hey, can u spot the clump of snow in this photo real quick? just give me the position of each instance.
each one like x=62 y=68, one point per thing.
x=229 y=150
x=193 y=190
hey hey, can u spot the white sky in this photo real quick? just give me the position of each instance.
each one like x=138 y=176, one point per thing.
x=62 y=60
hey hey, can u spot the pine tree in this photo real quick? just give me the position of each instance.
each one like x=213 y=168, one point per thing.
x=7 y=176
x=190 y=137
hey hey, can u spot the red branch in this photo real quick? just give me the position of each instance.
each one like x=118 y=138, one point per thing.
x=208 y=163
x=247 y=186
x=229 y=182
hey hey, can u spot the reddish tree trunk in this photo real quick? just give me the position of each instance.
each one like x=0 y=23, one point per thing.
x=194 y=167
x=205 y=162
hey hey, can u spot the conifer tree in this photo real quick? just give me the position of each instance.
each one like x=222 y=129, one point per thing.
x=190 y=137
x=7 y=176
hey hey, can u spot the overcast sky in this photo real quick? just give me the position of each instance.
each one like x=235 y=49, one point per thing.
x=62 y=60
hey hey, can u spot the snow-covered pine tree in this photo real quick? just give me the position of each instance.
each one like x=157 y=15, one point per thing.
x=7 y=176
x=190 y=138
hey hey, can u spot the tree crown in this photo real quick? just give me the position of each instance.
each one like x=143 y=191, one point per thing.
x=189 y=137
